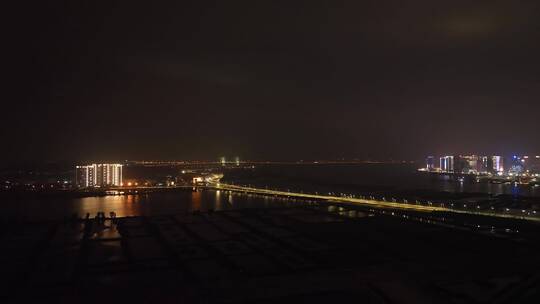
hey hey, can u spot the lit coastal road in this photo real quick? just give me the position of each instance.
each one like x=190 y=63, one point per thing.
x=434 y=207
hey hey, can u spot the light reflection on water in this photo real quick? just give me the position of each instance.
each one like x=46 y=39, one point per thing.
x=167 y=203
x=137 y=204
x=484 y=187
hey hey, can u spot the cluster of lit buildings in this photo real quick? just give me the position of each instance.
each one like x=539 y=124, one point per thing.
x=477 y=164
x=207 y=178
x=98 y=175
x=223 y=161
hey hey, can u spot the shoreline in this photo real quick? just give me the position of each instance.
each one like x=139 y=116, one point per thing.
x=530 y=181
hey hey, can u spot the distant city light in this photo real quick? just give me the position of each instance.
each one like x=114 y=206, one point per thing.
x=518 y=166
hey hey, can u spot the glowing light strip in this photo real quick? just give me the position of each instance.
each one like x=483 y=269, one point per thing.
x=374 y=203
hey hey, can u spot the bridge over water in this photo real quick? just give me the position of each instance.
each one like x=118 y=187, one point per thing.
x=432 y=207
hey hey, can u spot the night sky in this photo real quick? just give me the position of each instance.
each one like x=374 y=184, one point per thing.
x=270 y=80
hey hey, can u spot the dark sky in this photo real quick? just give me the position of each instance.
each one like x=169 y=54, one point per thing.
x=97 y=80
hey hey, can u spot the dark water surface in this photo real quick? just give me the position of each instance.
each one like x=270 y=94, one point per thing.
x=367 y=177
x=157 y=203
x=372 y=178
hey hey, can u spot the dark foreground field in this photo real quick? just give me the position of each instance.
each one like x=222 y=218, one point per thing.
x=305 y=255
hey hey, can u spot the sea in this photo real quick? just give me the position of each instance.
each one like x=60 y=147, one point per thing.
x=369 y=178
x=376 y=179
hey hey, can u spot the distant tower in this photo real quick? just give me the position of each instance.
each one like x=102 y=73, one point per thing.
x=430 y=163
x=447 y=164
x=222 y=160
x=535 y=164
x=497 y=164
x=459 y=164
x=516 y=165
x=485 y=164
x=237 y=161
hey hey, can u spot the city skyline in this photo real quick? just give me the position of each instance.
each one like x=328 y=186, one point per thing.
x=421 y=158
x=484 y=164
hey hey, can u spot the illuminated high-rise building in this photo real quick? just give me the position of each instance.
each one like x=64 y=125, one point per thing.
x=517 y=165
x=222 y=161
x=430 y=163
x=462 y=164
x=98 y=175
x=447 y=164
x=530 y=164
x=534 y=165
x=237 y=161
x=85 y=176
x=497 y=162
x=468 y=164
